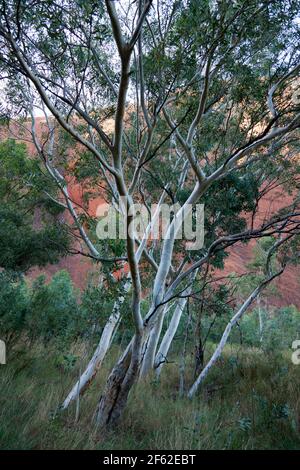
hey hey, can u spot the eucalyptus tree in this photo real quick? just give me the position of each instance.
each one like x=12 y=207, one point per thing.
x=202 y=101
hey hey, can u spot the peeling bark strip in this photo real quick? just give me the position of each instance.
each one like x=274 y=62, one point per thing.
x=118 y=386
x=226 y=333
x=105 y=411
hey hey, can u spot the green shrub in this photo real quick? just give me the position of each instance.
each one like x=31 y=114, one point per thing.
x=54 y=309
x=14 y=303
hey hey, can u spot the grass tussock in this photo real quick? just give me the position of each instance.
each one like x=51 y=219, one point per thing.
x=249 y=401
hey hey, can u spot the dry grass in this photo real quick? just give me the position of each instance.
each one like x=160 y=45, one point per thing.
x=249 y=401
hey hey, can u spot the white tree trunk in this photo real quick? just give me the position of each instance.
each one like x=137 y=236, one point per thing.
x=149 y=359
x=172 y=328
x=151 y=344
x=224 y=338
x=162 y=354
x=260 y=319
x=99 y=354
x=110 y=327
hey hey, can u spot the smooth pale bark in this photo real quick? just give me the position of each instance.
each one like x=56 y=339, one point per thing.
x=260 y=319
x=162 y=354
x=154 y=318
x=151 y=344
x=149 y=359
x=111 y=326
x=164 y=347
x=182 y=362
x=225 y=335
x=99 y=354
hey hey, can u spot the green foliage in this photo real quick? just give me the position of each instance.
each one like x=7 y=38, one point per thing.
x=53 y=308
x=96 y=306
x=14 y=304
x=42 y=311
x=22 y=244
x=22 y=247
x=280 y=328
x=54 y=312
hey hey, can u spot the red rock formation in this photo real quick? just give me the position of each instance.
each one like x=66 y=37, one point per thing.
x=80 y=267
